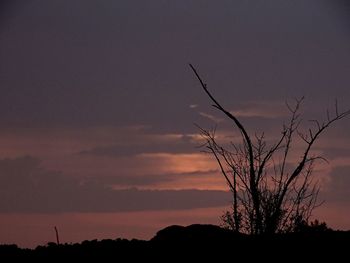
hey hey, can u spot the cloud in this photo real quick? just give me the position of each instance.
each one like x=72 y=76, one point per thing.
x=179 y=163
x=7 y=10
x=338 y=189
x=343 y=10
x=210 y=117
x=261 y=109
x=26 y=187
x=148 y=143
x=153 y=180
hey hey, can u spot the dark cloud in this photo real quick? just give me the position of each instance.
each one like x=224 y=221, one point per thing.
x=125 y=62
x=181 y=144
x=26 y=187
x=148 y=180
x=338 y=189
x=7 y=11
x=92 y=66
x=341 y=12
x=333 y=152
x=342 y=6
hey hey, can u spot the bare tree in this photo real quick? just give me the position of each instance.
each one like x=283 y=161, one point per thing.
x=269 y=194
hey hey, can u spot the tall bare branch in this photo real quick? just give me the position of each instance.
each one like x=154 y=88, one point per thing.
x=268 y=195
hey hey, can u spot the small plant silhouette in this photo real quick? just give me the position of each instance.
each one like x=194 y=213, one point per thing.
x=57 y=236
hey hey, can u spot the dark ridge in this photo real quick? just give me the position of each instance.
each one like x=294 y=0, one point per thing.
x=194 y=233
x=197 y=242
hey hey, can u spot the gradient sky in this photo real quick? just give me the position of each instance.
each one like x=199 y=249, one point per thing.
x=97 y=106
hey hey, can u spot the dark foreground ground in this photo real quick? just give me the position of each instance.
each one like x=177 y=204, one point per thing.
x=196 y=243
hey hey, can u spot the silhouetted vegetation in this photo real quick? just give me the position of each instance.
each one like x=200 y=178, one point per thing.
x=271 y=192
x=195 y=242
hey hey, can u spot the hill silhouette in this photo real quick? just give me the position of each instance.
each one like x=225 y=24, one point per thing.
x=195 y=242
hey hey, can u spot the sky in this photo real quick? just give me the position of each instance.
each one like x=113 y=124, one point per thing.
x=98 y=106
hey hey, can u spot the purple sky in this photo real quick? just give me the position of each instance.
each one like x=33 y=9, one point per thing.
x=97 y=107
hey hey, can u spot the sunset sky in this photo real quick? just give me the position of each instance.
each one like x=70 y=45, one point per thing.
x=98 y=106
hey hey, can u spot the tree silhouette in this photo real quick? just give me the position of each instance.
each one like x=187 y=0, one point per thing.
x=270 y=194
